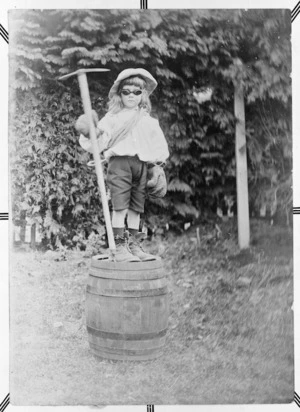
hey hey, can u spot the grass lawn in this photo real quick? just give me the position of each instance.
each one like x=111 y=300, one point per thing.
x=230 y=335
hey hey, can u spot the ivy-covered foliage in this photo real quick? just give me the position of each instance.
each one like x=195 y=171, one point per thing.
x=186 y=51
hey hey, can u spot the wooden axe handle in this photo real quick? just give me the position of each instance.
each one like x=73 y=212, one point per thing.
x=87 y=106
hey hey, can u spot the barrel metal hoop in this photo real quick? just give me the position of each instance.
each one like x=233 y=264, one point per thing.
x=126 y=336
x=125 y=275
x=127 y=354
x=127 y=293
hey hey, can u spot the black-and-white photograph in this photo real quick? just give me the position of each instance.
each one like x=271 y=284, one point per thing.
x=151 y=232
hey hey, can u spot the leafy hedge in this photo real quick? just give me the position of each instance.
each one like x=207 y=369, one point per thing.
x=186 y=51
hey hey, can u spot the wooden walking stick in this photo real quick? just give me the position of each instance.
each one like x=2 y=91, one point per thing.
x=87 y=107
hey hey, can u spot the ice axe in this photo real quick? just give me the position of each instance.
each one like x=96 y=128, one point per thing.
x=87 y=107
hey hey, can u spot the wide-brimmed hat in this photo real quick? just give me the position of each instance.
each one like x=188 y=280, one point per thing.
x=151 y=83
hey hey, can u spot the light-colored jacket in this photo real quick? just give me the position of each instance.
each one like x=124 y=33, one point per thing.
x=145 y=139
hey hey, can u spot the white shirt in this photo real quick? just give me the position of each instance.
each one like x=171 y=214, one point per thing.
x=146 y=139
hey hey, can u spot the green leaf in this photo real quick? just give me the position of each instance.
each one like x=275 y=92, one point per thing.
x=186 y=210
x=177 y=185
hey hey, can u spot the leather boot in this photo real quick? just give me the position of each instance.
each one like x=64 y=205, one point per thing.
x=136 y=248
x=123 y=253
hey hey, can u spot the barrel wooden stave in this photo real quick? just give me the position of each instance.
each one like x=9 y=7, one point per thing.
x=127 y=310
x=128 y=315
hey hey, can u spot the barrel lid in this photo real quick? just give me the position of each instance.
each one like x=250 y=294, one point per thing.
x=104 y=261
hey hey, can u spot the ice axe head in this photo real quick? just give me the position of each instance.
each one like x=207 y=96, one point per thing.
x=81 y=72
x=84 y=89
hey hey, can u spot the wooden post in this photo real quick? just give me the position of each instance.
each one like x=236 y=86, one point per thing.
x=241 y=169
x=22 y=232
x=33 y=236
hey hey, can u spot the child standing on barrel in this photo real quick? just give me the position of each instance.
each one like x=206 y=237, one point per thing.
x=133 y=144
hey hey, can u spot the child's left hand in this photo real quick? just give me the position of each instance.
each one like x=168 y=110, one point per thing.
x=82 y=124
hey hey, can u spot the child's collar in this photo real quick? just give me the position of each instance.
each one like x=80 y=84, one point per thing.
x=130 y=110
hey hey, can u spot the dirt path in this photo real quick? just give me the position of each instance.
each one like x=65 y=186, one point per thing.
x=230 y=337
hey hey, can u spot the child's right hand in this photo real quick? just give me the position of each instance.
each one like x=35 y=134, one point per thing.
x=82 y=124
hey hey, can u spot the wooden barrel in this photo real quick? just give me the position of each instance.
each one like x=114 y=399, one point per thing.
x=126 y=309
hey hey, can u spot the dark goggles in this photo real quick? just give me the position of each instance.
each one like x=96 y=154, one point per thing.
x=126 y=92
